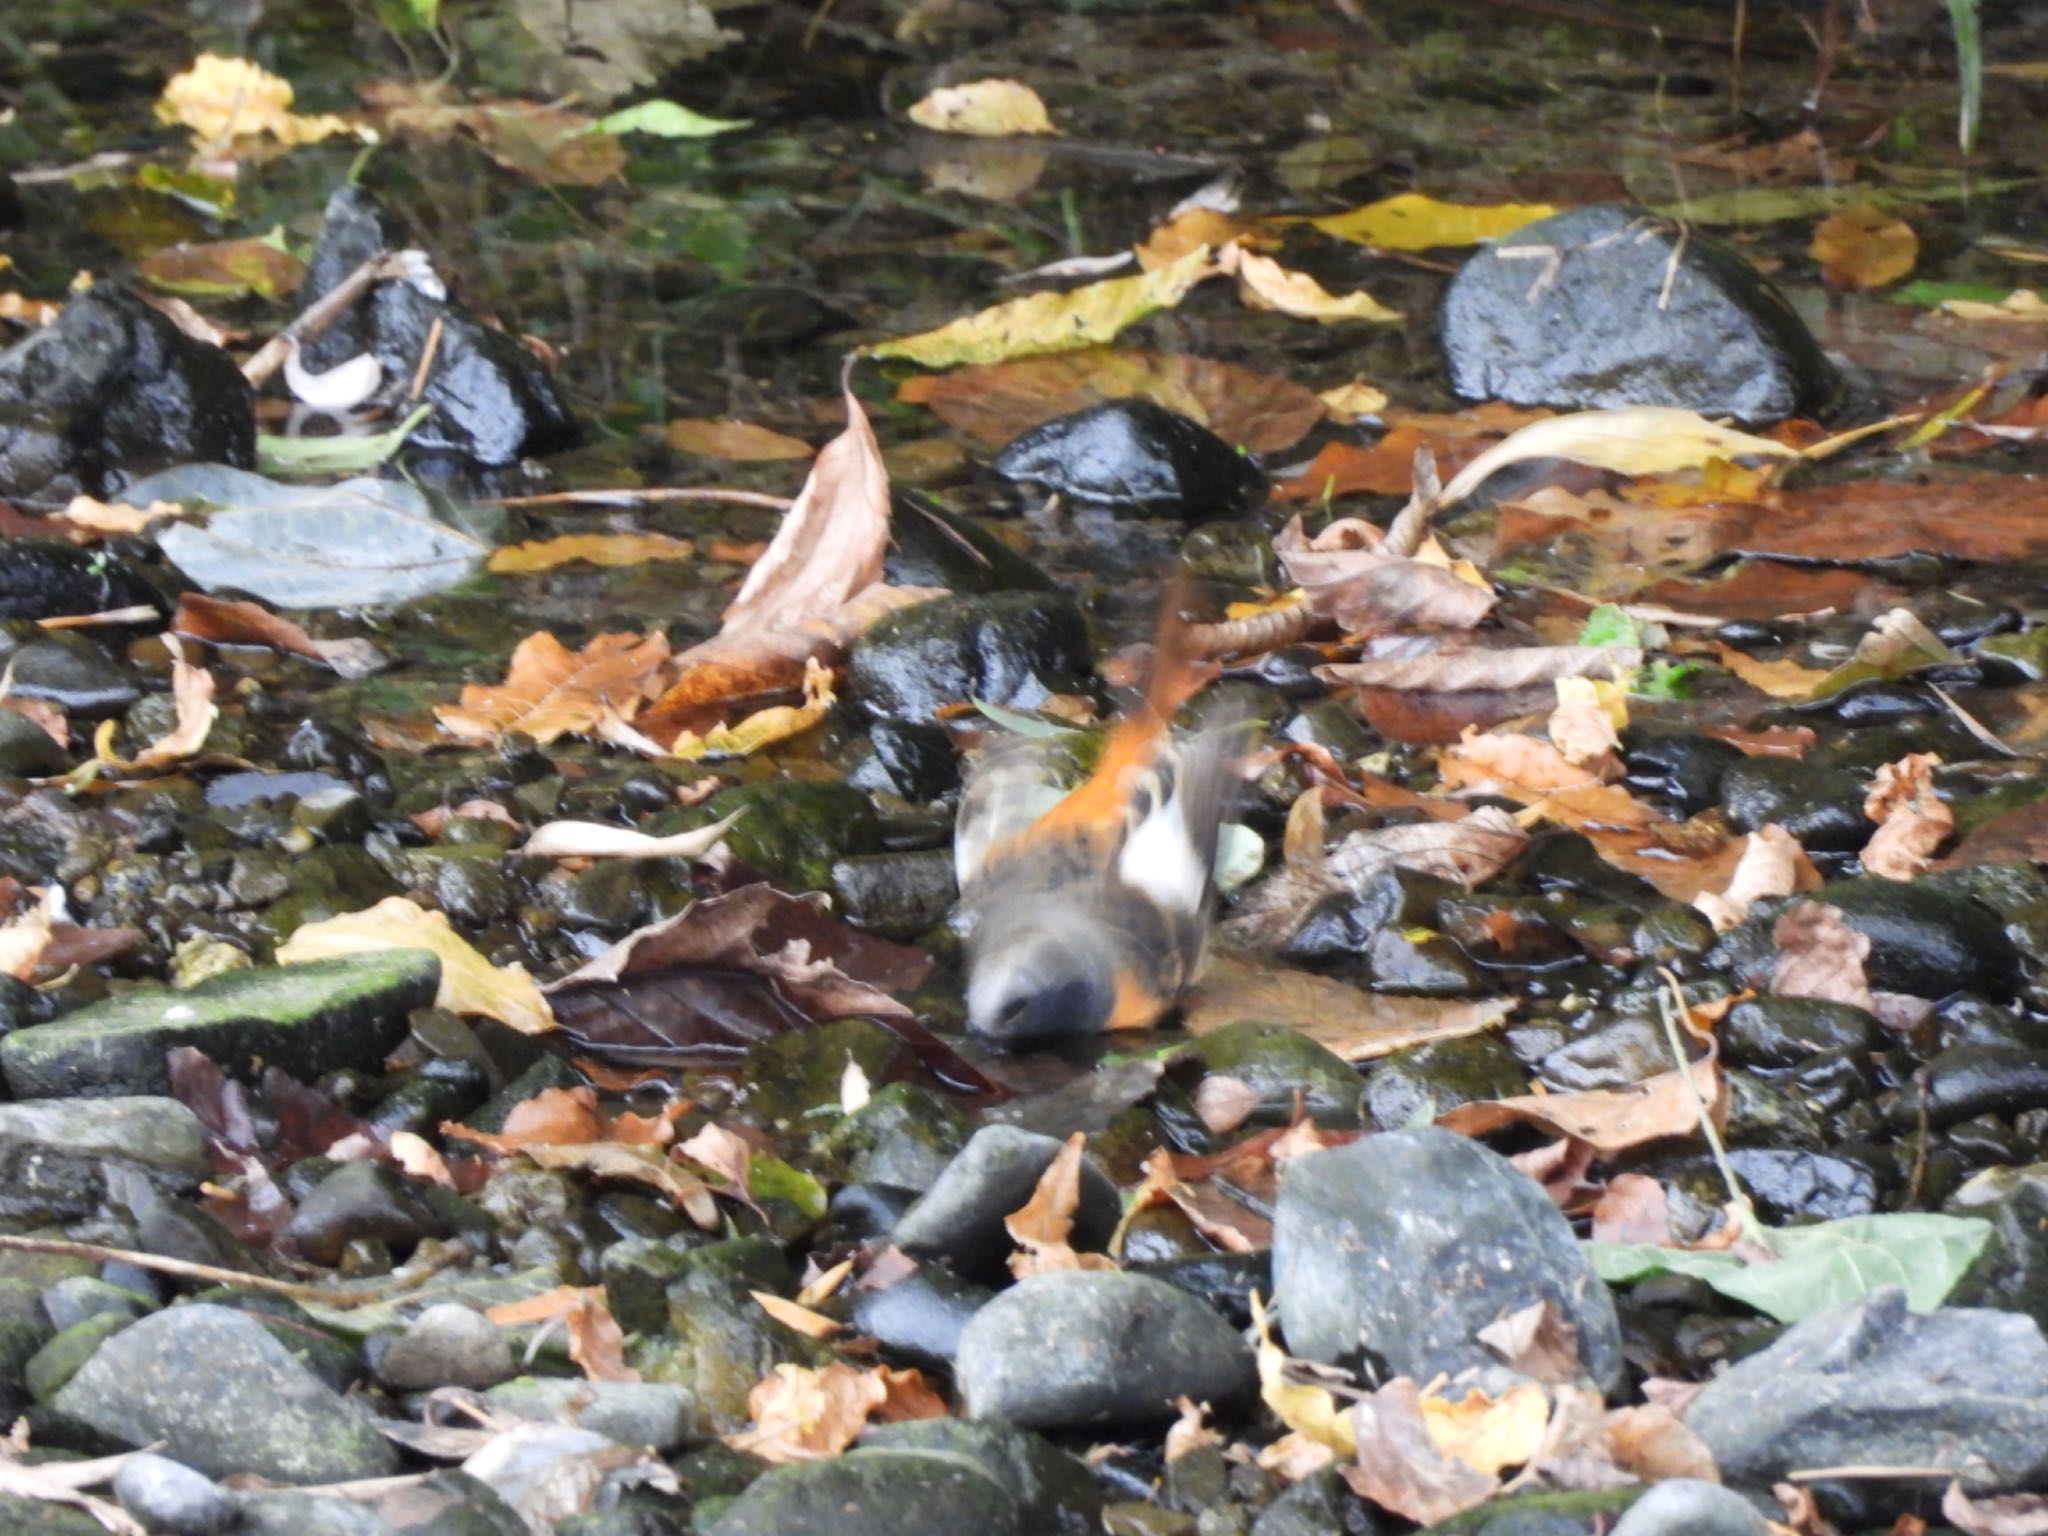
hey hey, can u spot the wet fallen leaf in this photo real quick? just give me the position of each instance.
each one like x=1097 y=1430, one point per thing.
x=1469 y=668
x=241 y=623
x=644 y=1166
x=1348 y=573
x=1820 y=956
x=1488 y=1434
x=114 y=517
x=794 y=1315
x=1348 y=403
x=801 y=1413
x=224 y=269
x=738 y=442
x=1305 y=1408
x=1189 y=1432
x=1355 y=1024
x=221 y=99
x=1781 y=678
x=1385 y=468
x=984 y=108
x=725 y=1153
x=1912 y=819
x=192 y=694
x=1772 y=864
x=1042 y=1226
x=1585 y=724
x=1537 y=1341
x=550 y=691
x=592 y=548
x=1191 y=227
x=416 y=1156
x=1635 y=440
x=544 y=143
x=552 y=1117
x=665 y=119
x=1607 y=1119
x=601 y=840
x=765 y=727
x=1506 y=760
x=1053 y=322
x=1412 y=222
x=596 y=1342
x=1264 y=284
x=2021 y=304
x=1400 y=1467
x=2018 y=836
x=26 y=934
x=2008 y=1514
x=1862 y=246
x=469 y=982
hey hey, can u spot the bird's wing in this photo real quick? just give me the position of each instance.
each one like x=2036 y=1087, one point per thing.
x=1007 y=791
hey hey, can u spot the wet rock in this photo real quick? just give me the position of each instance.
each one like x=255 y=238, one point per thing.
x=1684 y=770
x=1283 y=1067
x=1776 y=1031
x=1610 y=1053
x=1966 y=1081
x=1874 y=1384
x=1224 y=1281
x=1794 y=1184
x=59 y=1360
x=870 y=1209
x=912 y=760
x=1053 y=1492
x=903 y=1137
x=1135 y=456
x=169 y=1497
x=222 y=1396
x=70 y=671
x=1688 y=1506
x=1426 y=1080
x=793 y=830
x=873 y=1493
x=27 y=751
x=304 y=1514
x=77 y=1297
x=494 y=401
x=1010 y=648
x=1409 y=1243
x=307 y=1019
x=920 y=1317
x=1924 y=939
x=1821 y=807
x=56 y=1154
x=2012 y=1271
x=653 y=1413
x=1321 y=1504
x=959 y=1220
x=1085 y=1347
x=931 y=547
x=1421 y=965
x=1631 y=310
x=112 y=392
x=448 y=1345
x=358 y=1202
x=898 y=895
x=790 y=1077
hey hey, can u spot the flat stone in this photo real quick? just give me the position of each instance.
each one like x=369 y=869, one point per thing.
x=1409 y=1243
x=1092 y=1347
x=222 y=1396
x=307 y=1019
x=55 y=1153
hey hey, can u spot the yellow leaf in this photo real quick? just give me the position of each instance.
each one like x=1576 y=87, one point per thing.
x=1053 y=322
x=1412 y=222
x=220 y=99
x=740 y=441
x=1862 y=246
x=1264 y=284
x=1309 y=1411
x=595 y=548
x=1349 y=402
x=1636 y=440
x=1189 y=228
x=469 y=982
x=1489 y=1434
x=1781 y=679
x=192 y=697
x=988 y=109
x=765 y=727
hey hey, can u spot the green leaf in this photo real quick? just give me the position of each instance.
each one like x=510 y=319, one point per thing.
x=1819 y=1267
x=667 y=120
x=1019 y=723
x=1609 y=625
x=770 y=1178
x=1931 y=295
x=334 y=455
x=1666 y=680
x=427 y=13
x=1962 y=15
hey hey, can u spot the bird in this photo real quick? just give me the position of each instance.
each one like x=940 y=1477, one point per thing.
x=1089 y=910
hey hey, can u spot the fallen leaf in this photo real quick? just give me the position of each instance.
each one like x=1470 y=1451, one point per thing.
x=1772 y=864
x=2008 y=1514
x=1191 y=227
x=634 y=1165
x=416 y=1156
x=1861 y=246
x=1488 y=1434
x=1607 y=1119
x=1820 y=956
x=27 y=933
x=1474 y=668
x=1781 y=679
x=738 y=442
x=599 y=840
x=1584 y=727
x=1348 y=574
x=1523 y=765
x=1412 y=222
x=221 y=622
x=801 y=1413
x=469 y=982
x=765 y=727
x=1264 y=284
x=1912 y=819
x=115 y=517
x=990 y=109
x=63 y=1483
x=1189 y=1432
x=1042 y=1226
x=1385 y=468
x=1351 y=1022
x=1351 y=402
x=224 y=269
x=1537 y=1341
x=552 y=1117
x=192 y=694
x=221 y=99
x=1053 y=322
x=726 y=1154
x=2021 y=304
x=794 y=1315
x=1634 y=440
x=1399 y=1465
x=1306 y=1409
x=2017 y=836
x=1223 y=1103
x=596 y=1342
x=1653 y=1443
x=550 y=691
x=591 y=548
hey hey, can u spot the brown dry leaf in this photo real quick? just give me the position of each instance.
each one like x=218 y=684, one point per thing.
x=2010 y=1514
x=1653 y=1443
x=552 y=1117
x=1386 y=468
x=1348 y=403
x=989 y=109
x=1264 y=284
x=1488 y=1434
x=1632 y=1209
x=801 y=1414
x=111 y=518
x=1912 y=819
x=737 y=442
x=544 y=143
x=1399 y=1465
x=1781 y=679
x=544 y=1308
x=1348 y=575
x=1607 y=1119
x=1820 y=956
x=469 y=982
x=416 y=1155
x=1189 y=1432
x=26 y=935
x=550 y=690
x=1042 y=1225
x=1584 y=726
x=791 y=1314
x=192 y=695
x=726 y=1154
x=2018 y=836
x=596 y=1341
x=1539 y=1342
x=994 y=402
x=635 y=1165
x=1190 y=229
x=1469 y=668
x=1355 y=1024
x=591 y=548
x=42 y=713
x=1521 y=765
x=1772 y=864
x=221 y=622
x=764 y=727
x=1862 y=246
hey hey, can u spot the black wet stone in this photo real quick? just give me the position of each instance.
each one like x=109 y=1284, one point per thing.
x=873 y=1493
x=2011 y=1273
x=920 y=1317
x=1284 y=1069
x=1925 y=939
x=1960 y=1389
x=1777 y=1031
x=1426 y=1080
x=494 y=401
x=1685 y=770
x=222 y=1396
x=1135 y=456
x=46 y=578
x=1821 y=807
x=1407 y=1244
x=1795 y=1185
x=69 y=671
x=793 y=829
x=1966 y=1081
x=1079 y=1348
x=360 y=1201
x=1010 y=648
x=114 y=391
x=27 y=751
x=307 y=1019
x=1621 y=307
x=959 y=1220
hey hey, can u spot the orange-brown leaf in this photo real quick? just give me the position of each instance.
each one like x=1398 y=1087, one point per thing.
x=550 y=691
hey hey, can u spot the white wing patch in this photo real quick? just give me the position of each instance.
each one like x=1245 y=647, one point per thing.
x=1006 y=793
x=1159 y=859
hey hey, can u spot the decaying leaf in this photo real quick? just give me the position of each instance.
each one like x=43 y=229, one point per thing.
x=1469 y=668
x=115 y=517
x=1355 y=1024
x=221 y=99
x=26 y=935
x=591 y=548
x=1634 y=440
x=550 y=690
x=1772 y=864
x=644 y=1166
x=1285 y=1387
x=1820 y=956
x=1400 y=1467
x=600 y=840
x=241 y=623
x=192 y=695
x=801 y=1413
x=1862 y=246
x=1507 y=760
x=990 y=109
x=1912 y=819
x=469 y=982
x=1781 y=679
x=1489 y=1434
x=765 y=727
x=1607 y=1119
x=1264 y=284
x=2010 y=1514
x=1585 y=725
x=1348 y=573
x=1632 y=1209
x=1352 y=402
x=1189 y=1432
x=1539 y=1342
x=1042 y=1226
x=740 y=442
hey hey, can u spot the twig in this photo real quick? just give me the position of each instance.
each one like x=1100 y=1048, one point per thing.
x=427 y=355
x=322 y=313
x=186 y=1269
x=1257 y=632
x=649 y=497
x=1671 y=1009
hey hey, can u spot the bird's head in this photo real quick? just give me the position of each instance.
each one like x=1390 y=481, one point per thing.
x=1046 y=978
